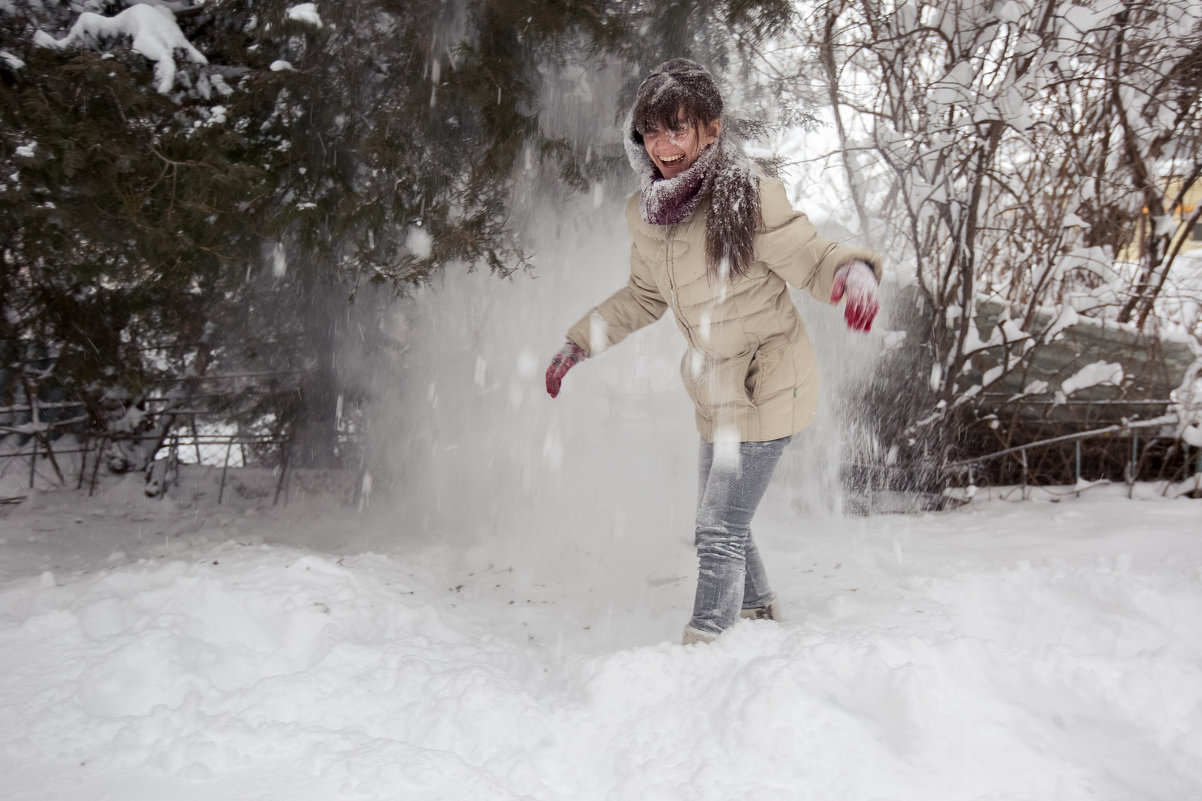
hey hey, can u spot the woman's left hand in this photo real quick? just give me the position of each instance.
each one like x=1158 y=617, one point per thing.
x=856 y=282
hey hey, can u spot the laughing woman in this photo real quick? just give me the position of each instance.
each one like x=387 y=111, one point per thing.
x=718 y=243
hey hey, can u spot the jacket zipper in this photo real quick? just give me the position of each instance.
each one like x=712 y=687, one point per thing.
x=684 y=323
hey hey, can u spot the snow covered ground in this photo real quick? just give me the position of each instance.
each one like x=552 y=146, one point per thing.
x=177 y=649
x=500 y=620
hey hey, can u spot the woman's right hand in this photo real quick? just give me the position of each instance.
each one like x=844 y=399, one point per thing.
x=568 y=357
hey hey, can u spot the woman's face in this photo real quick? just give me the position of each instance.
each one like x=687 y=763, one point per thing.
x=676 y=150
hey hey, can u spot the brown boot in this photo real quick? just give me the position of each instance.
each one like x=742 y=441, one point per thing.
x=769 y=612
x=694 y=636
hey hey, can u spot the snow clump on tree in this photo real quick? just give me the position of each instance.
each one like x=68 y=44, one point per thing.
x=154 y=32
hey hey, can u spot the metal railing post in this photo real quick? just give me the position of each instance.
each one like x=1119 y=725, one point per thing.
x=1133 y=465
x=83 y=461
x=1078 y=468
x=279 y=487
x=1023 y=456
x=224 y=469
x=100 y=446
x=1198 y=472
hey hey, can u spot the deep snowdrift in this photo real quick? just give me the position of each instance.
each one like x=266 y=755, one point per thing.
x=182 y=650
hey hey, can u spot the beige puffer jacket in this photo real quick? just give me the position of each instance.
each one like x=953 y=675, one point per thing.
x=750 y=368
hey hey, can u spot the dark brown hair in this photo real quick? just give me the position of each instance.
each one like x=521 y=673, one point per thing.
x=673 y=86
x=683 y=85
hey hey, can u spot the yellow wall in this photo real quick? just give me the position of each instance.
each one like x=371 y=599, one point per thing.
x=1193 y=237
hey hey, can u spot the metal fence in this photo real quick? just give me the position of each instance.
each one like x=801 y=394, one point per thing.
x=61 y=457
x=53 y=442
x=77 y=459
x=1141 y=436
x=1038 y=442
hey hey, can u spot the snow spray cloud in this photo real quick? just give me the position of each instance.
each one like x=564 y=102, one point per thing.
x=468 y=447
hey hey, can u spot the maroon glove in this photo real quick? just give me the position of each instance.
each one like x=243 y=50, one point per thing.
x=568 y=357
x=857 y=282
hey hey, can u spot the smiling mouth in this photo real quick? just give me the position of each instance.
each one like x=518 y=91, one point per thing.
x=670 y=160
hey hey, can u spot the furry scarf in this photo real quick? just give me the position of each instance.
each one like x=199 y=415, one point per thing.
x=724 y=174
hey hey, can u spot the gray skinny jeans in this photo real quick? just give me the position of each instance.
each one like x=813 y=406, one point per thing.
x=730 y=573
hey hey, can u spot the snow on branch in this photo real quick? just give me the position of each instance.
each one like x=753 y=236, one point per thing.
x=306 y=13
x=153 y=30
x=1092 y=375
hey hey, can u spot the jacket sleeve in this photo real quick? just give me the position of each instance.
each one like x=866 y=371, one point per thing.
x=635 y=305
x=791 y=247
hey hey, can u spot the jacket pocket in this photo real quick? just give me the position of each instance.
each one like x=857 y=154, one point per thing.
x=755 y=370
x=770 y=373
